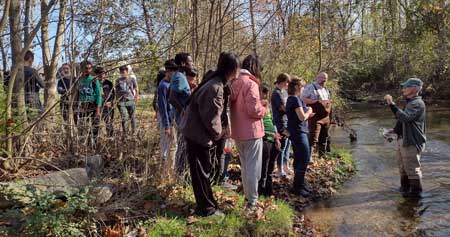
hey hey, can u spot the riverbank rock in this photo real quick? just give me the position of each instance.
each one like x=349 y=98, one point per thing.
x=66 y=181
x=69 y=180
x=100 y=194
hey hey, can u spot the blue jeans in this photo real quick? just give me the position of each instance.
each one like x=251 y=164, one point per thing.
x=302 y=153
x=226 y=161
x=283 y=158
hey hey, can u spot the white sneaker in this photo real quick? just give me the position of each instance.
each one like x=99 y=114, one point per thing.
x=287 y=170
x=281 y=173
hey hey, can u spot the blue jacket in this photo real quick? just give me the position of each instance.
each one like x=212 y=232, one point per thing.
x=165 y=109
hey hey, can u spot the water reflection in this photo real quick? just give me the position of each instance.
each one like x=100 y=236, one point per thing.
x=369 y=204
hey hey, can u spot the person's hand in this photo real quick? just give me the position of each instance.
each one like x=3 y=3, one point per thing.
x=388 y=99
x=311 y=115
x=277 y=136
x=228 y=132
x=98 y=112
x=264 y=103
x=277 y=144
x=136 y=99
x=308 y=108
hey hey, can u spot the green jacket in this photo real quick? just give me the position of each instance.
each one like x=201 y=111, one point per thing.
x=412 y=120
x=90 y=91
x=269 y=129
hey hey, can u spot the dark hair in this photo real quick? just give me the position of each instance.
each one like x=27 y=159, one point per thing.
x=170 y=65
x=28 y=55
x=181 y=58
x=161 y=75
x=99 y=70
x=265 y=89
x=66 y=64
x=227 y=64
x=253 y=65
x=283 y=77
x=295 y=81
x=123 y=68
x=85 y=63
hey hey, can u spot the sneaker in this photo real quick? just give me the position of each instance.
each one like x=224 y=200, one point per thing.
x=250 y=209
x=218 y=215
x=229 y=186
x=287 y=169
x=281 y=173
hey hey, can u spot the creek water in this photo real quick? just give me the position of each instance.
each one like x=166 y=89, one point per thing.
x=369 y=203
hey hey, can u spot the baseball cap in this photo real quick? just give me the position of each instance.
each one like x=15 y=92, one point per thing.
x=412 y=82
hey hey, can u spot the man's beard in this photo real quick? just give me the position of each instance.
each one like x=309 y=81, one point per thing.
x=66 y=74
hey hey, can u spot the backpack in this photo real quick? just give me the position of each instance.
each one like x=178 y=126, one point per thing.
x=86 y=92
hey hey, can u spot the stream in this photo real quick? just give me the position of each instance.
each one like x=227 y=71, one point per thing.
x=369 y=203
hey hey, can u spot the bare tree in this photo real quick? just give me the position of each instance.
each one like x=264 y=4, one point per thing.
x=252 y=22
x=51 y=60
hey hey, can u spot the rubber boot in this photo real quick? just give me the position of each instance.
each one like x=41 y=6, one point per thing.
x=322 y=150
x=299 y=184
x=307 y=187
x=404 y=184
x=416 y=188
x=269 y=187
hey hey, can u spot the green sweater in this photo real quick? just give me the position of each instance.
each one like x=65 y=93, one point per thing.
x=269 y=129
x=86 y=93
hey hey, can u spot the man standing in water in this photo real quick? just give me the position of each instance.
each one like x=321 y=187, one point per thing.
x=318 y=97
x=410 y=129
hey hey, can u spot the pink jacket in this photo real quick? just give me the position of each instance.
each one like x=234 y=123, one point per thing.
x=246 y=108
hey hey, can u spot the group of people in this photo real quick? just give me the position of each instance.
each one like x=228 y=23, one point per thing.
x=231 y=104
x=199 y=121
x=91 y=95
x=95 y=97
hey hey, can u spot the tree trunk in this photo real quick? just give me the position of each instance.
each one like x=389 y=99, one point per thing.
x=148 y=21
x=4 y=56
x=50 y=85
x=252 y=21
x=205 y=60
x=26 y=23
x=174 y=28
x=319 y=37
x=5 y=15
x=15 y=101
x=45 y=45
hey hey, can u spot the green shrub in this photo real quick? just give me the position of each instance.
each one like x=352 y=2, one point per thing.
x=48 y=214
